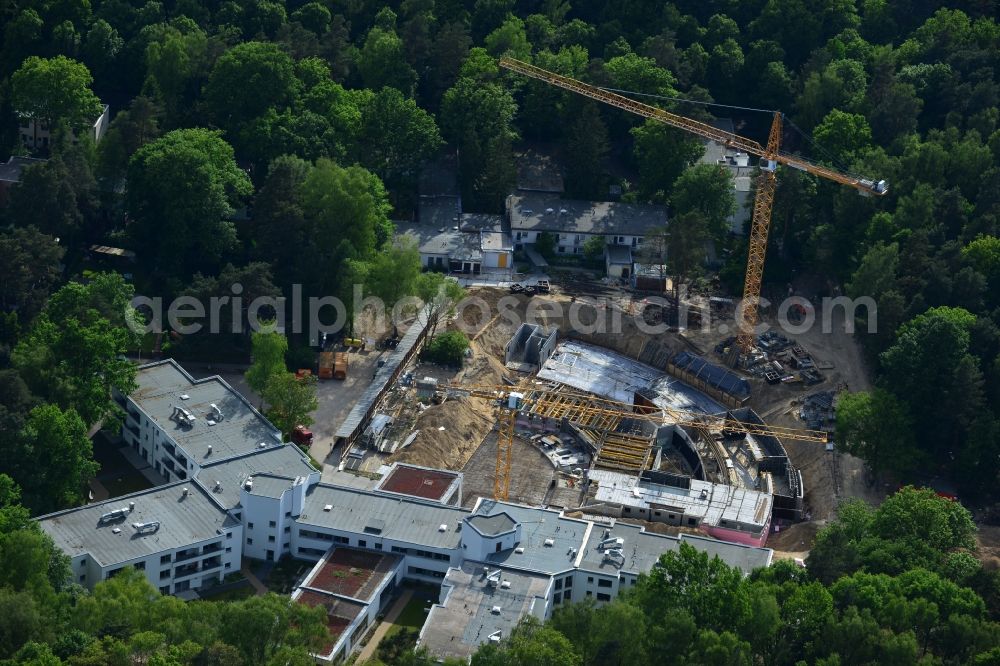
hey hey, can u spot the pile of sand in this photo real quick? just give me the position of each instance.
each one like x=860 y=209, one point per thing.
x=466 y=422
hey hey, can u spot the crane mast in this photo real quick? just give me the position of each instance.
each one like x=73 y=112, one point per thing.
x=771 y=156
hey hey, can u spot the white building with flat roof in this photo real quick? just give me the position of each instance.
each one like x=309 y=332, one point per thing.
x=496 y=563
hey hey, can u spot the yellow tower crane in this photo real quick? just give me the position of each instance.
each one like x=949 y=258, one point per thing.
x=771 y=156
x=602 y=414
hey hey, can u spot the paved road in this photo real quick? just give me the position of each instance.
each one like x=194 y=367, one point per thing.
x=380 y=631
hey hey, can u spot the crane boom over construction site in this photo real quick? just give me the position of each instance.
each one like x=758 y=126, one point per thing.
x=582 y=409
x=701 y=129
x=771 y=156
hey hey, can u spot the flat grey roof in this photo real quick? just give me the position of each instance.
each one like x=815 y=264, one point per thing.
x=528 y=212
x=439 y=212
x=496 y=240
x=184 y=522
x=286 y=460
x=242 y=429
x=445 y=240
x=498 y=523
x=11 y=170
x=537 y=526
x=270 y=485
x=400 y=518
x=481 y=222
x=466 y=619
x=722 y=502
x=640 y=553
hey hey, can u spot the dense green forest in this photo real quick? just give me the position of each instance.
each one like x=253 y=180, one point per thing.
x=270 y=143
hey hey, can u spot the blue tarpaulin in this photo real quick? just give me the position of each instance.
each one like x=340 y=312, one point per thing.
x=713 y=375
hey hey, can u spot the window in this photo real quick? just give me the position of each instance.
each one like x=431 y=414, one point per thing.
x=229 y=535
x=288 y=529
x=378 y=546
x=140 y=566
x=627 y=509
x=228 y=565
x=656 y=513
x=271 y=523
x=692 y=522
x=83 y=561
x=229 y=549
x=83 y=577
x=559 y=583
x=249 y=541
x=567 y=595
x=590 y=579
x=165 y=574
x=165 y=589
x=671 y=516
x=249 y=526
x=589 y=593
x=562 y=249
x=362 y=543
x=604 y=583
x=165 y=559
x=288 y=514
x=270 y=539
x=569 y=582
x=557 y=598
x=603 y=597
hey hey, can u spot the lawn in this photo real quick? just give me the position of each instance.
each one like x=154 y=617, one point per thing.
x=413 y=613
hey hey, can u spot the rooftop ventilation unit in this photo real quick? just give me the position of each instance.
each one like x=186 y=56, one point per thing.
x=146 y=528
x=185 y=396
x=262 y=445
x=496 y=636
x=209 y=449
x=184 y=492
x=519 y=550
x=614 y=542
x=116 y=530
x=704 y=493
x=328 y=507
x=505 y=585
x=218 y=486
x=493 y=579
x=248 y=484
x=112 y=516
x=550 y=542
x=131 y=507
x=442 y=527
x=495 y=610
x=216 y=412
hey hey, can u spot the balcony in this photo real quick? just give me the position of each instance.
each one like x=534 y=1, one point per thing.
x=186 y=555
x=186 y=570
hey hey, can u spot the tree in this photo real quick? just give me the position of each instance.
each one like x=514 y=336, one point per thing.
x=439 y=294
x=586 y=148
x=74 y=354
x=345 y=212
x=253 y=281
x=876 y=427
x=29 y=268
x=686 y=236
x=269 y=348
x=54 y=90
x=545 y=243
x=476 y=117
x=529 y=643
x=292 y=400
x=129 y=131
x=935 y=344
x=398 y=138
x=248 y=80
x=393 y=273
x=446 y=349
x=593 y=249
x=661 y=154
x=45 y=198
x=382 y=62
x=60 y=437
x=183 y=187
x=840 y=135
x=707 y=189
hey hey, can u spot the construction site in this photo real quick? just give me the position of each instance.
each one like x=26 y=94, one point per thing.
x=651 y=429
x=686 y=428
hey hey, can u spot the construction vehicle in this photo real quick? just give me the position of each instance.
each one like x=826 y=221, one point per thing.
x=340 y=365
x=604 y=415
x=770 y=154
x=326 y=365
